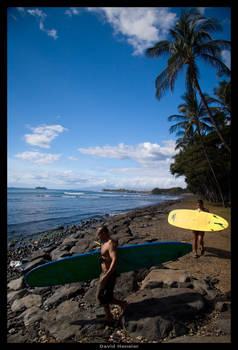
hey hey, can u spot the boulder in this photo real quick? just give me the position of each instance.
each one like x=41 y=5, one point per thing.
x=169 y=277
x=63 y=293
x=223 y=322
x=16 y=284
x=34 y=263
x=201 y=339
x=26 y=302
x=32 y=315
x=126 y=284
x=81 y=246
x=11 y=296
x=59 y=253
x=42 y=253
x=69 y=322
x=155 y=313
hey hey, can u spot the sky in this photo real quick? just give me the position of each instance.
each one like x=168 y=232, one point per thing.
x=81 y=105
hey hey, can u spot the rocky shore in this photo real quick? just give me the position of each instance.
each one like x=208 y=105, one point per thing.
x=187 y=300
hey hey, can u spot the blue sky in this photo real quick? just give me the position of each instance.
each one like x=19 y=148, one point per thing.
x=82 y=111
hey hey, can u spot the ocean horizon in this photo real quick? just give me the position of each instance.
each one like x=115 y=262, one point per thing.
x=32 y=211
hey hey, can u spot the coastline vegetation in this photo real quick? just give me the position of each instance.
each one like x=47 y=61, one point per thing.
x=165 y=191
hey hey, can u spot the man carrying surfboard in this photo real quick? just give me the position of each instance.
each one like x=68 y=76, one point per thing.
x=198 y=236
x=108 y=261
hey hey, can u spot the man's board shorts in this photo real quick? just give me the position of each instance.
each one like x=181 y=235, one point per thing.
x=104 y=294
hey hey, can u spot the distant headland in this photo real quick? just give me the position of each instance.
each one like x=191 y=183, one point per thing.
x=40 y=188
x=165 y=191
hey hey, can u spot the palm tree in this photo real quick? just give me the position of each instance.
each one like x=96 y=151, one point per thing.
x=193 y=119
x=190 y=39
x=223 y=100
x=192 y=122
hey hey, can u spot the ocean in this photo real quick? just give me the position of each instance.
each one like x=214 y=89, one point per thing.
x=34 y=211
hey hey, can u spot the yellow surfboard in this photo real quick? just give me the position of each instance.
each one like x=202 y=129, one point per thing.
x=197 y=221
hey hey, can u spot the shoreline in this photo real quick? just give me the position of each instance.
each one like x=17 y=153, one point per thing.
x=135 y=226
x=62 y=230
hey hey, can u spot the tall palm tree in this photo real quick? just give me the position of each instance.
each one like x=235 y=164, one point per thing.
x=193 y=121
x=223 y=100
x=190 y=39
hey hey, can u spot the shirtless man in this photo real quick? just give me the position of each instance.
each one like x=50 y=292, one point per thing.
x=199 y=235
x=108 y=261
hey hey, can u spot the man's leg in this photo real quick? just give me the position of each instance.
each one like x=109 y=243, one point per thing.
x=120 y=303
x=109 y=316
x=201 y=242
x=195 y=244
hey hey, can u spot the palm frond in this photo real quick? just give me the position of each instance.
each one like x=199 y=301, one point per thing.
x=208 y=24
x=159 y=49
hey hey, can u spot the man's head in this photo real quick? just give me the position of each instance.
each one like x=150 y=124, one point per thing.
x=200 y=204
x=102 y=233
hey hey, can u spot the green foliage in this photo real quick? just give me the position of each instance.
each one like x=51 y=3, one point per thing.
x=191 y=163
x=169 y=191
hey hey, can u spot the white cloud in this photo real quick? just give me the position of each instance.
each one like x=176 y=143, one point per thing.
x=226 y=56
x=38 y=158
x=37 y=13
x=72 y=158
x=146 y=181
x=52 y=33
x=41 y=16
x=153 y=168
x=142 y=26
x=72 y=11
x=42 y=136
x=145 y=153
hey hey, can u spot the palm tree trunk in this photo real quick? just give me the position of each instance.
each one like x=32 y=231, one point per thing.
x=210 y=114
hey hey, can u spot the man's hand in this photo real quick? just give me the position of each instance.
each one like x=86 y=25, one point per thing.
x=103 y=279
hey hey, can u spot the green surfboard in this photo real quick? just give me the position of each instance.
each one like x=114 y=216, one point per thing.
x=86 y=266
